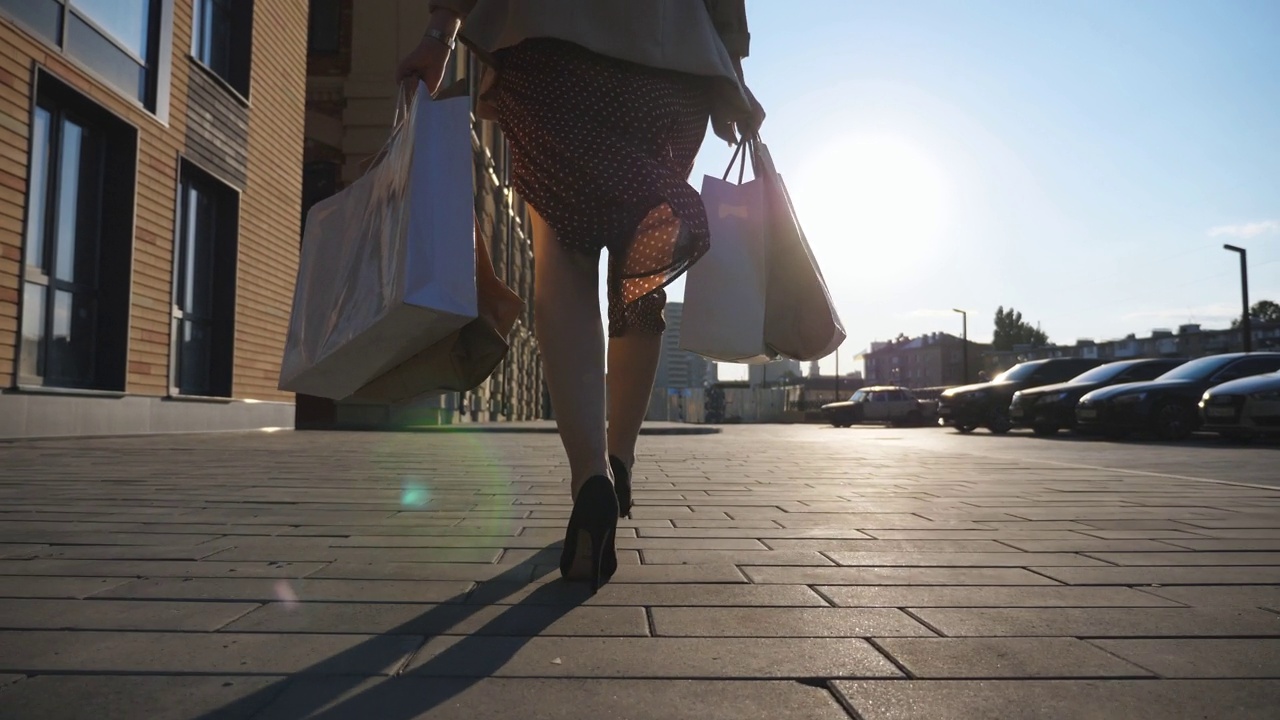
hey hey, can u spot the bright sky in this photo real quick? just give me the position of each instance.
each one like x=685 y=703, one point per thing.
x=1081 y=161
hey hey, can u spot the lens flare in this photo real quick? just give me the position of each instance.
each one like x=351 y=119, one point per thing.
x=286 y=595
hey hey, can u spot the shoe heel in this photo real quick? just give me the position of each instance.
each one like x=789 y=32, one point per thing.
x=621 y=486
x=589 y=552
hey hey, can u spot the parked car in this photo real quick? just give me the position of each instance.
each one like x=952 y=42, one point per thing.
x=1166 y=406
x=888 y=404
x=987 y=404
x=1050 y=408
x=1243 y=408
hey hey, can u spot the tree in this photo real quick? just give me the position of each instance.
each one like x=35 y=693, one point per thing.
x=1263 y=311
x=1012 y=330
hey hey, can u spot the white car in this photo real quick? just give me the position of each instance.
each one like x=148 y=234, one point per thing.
x=1243 y=408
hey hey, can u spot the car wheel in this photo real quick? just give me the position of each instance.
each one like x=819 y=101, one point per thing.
x=966 y=429
x=1172 y=421
x=1045 y=430
x=999 y=424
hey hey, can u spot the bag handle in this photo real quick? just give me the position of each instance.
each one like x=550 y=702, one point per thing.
x=740 y=157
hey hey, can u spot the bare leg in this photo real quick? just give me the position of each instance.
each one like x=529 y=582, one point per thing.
x=571 y=341
x=633 y=363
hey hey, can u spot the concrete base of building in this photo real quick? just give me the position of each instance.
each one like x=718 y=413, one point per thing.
x=35 y=415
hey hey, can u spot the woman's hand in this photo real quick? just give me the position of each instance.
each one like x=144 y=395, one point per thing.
x=427 y=61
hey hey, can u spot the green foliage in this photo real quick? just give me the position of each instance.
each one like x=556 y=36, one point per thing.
x=1012 y=330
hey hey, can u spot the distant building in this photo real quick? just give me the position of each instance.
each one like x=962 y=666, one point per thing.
x=773 y=373
x=679 y=369
x=932 y=360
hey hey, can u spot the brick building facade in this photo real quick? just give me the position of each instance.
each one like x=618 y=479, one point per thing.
x=150 y=181
x=353 y=49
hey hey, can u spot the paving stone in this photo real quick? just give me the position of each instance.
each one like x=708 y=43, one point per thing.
x=53 y=536
x=15 y=550
x=684 y=522
x=649 y=544
x=1238 y=533
x=986 y=596
x=449 y=541
x=10 y=679
x=1101 y=622
x=1063 y=699
x=473 y=572
x=1005 y=658
x=416 y=698
x=1185 y=658
x=894 y=576
x=718 y=573
x=1221 y=595
x=976 y=534
x=1090 y=545
x=732 y=557
x=266 y=590
x=47 y=614
x=155 y=568
x=127 y=552
x=960 y=559
x=740 y=658
x=38 y=652
x=1189 y=558
x=891 y=546
x=1143 y=534
x=650 y=595
x=55 y=587
x=1164 y=575
x=361 y=555
x=754 y=532
x=784 y=622
x=129 y=697
x=453 y=619
x=1222 y=544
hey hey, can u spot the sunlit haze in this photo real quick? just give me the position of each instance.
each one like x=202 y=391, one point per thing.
x=1080 y=161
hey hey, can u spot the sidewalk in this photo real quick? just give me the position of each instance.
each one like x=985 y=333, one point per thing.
x=770 y=572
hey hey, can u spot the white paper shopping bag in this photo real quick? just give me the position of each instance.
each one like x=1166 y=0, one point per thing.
x=388 y=265
x=724 y=296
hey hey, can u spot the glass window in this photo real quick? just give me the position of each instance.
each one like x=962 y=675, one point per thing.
x=221 y=38
x=128 y=22
x=324 y=27
x=75 y=245
x=204 y=281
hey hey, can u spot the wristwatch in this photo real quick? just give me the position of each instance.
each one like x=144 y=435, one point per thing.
x=440 y=36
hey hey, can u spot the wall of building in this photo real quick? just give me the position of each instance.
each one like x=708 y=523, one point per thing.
x=251 y=145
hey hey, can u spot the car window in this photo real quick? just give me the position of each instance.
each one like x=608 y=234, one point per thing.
x=1145 y=371
x=1059 y=372
x=858 y=396
x=1247 y=367
x=1021 y=371
x=879 y=396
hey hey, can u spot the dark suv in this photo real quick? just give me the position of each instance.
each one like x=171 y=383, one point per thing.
x=987 y=404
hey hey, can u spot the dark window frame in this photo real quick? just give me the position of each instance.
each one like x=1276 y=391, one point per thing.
x=53 y=22
x=237 y=19
x=102 y=248
x=217 y=317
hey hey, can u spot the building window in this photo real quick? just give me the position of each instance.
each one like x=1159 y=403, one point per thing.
x=204 y=284
x=118 y=40
x=221 y=39
x=324 y=27
x=77 y=244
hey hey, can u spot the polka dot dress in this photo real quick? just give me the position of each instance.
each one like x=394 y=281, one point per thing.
x=602 y=149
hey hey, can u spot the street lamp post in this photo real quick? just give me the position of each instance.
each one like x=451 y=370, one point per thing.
x=964 y=344
x=1246 y=324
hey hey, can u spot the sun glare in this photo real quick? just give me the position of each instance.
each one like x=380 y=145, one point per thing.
x=872 y=199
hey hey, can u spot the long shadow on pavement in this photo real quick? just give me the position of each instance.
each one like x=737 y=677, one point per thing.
x=317 y=691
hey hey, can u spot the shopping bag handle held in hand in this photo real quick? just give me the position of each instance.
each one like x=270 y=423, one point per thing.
x=749 y=143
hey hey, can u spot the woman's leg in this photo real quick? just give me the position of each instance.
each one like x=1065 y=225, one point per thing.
x=571 y=342
x=633 y=363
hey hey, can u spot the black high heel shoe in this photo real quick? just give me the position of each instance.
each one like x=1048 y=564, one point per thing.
x=589 y=539
x=621 y=485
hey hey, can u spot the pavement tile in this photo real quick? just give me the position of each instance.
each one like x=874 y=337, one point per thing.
x=473 y=572
x=1221 y=595
x=453 y=619
x=266 y=590
x=361 y=555
x=986 y=596
x=55 y=587
x=1005 y=658
x=1143 y=534
x=784 y=622
x=894 y=576
x=1238 y=533
x=732 y=557
x=977 y=534
x=716 y=573
x=1190 y=558
x=1090 y=545
x=1063 y=699
x=449 y=541
x=1100 y=622
x=54 y=536
x=416 y=698
x=130 y=697
x=1196 y=658
x=960 y=559
x=16 y=550
x=38 y=652
x=650 y=595
x=156 y=568
x=655 y=657
x=1224 y=544
x=127 y=552
x=649 y=544
x=1135 y=575
x=891 y=546
x=10 y=679
x=47 y=614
